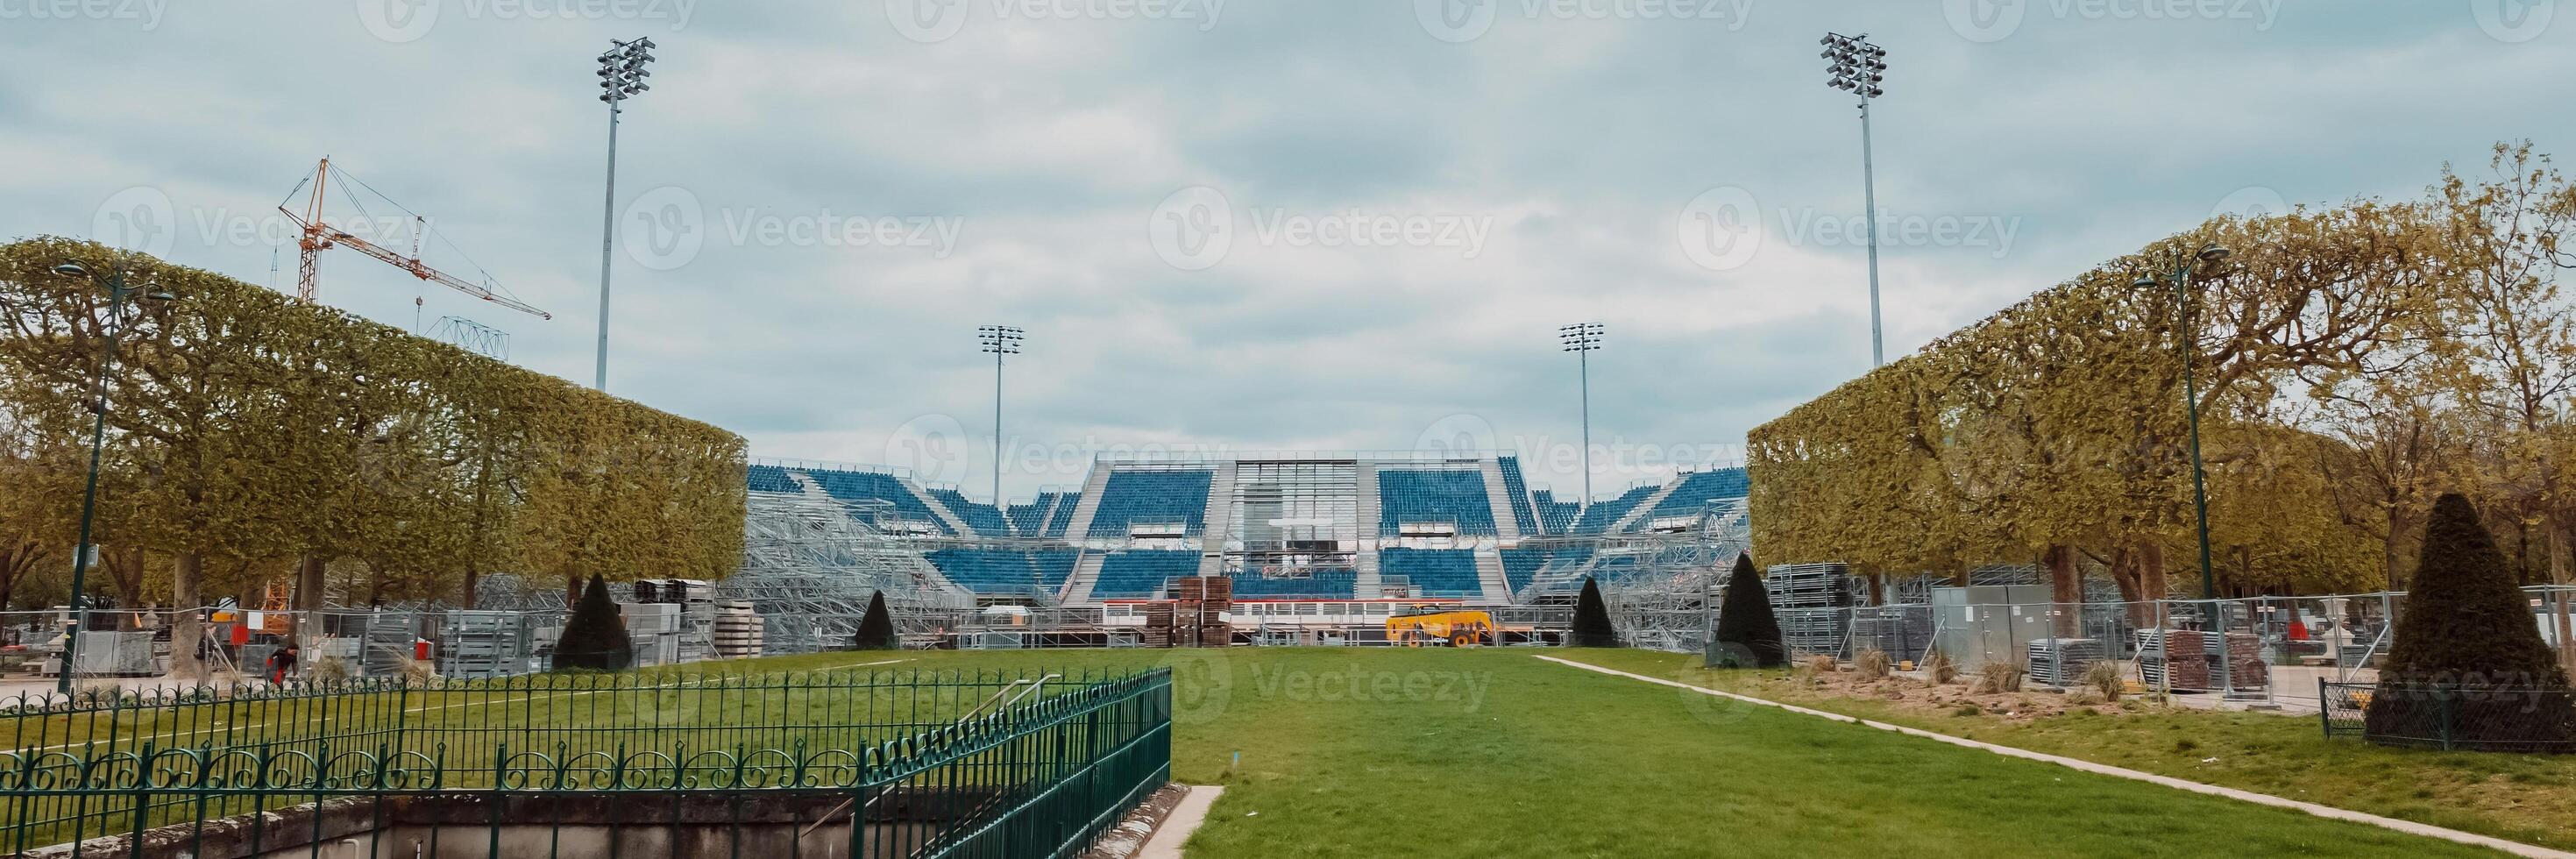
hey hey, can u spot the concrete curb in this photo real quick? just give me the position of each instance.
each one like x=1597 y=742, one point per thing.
x=2406 y=826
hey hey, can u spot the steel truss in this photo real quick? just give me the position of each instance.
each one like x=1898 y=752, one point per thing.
x=1658 y=586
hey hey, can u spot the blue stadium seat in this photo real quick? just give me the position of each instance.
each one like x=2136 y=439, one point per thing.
x=1554 y=517
x=1696 y=490
x=984 y=519
x=1138 y=573
x=870 y=485
x=1600 y=515
x=1133 y=497
x=1524 y=516
x=1418 y=495
x=771 y=478
x=1433 y=572
x=1062 y=518
x=1323 y=584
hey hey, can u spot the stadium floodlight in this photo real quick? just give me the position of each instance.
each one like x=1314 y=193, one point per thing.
x=1855 y=66
x=1583 y=338
x=113 y=283
x=2184 y=342
x=621 y=77
x=999 y=340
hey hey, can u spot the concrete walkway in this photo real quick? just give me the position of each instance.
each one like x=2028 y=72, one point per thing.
x=1185 y=819
x=2406 y=826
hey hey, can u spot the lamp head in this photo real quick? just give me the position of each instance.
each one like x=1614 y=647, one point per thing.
x=71 y=269
x=2213 y=253
x=2144 y=281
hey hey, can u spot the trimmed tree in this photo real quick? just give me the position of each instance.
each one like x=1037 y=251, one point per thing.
x=2468 y=664
x=1592 y=619
x=876 y=630
x=595 y=637
x=1748 y=636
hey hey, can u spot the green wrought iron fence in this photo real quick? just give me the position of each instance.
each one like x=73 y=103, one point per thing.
x=823 y=764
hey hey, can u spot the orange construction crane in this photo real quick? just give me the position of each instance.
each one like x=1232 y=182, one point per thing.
x=318 y=235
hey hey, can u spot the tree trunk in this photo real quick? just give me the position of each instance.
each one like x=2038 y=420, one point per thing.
x=472 y=576
x=308 y=599
x=2389 y=555
x=2152 y=583
x=2065 y=588
x=2558 y=576
x=187 y=632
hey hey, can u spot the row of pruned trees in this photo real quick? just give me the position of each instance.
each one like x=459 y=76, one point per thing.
x=252 y=438
x=2353 y=362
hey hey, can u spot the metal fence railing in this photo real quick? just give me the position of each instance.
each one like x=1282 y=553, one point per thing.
x=2451 y=717
x=912 y=763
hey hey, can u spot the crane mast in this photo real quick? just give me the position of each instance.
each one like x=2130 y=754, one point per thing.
x=317 y=235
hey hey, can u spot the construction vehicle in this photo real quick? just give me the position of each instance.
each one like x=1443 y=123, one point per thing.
x=1453 y=628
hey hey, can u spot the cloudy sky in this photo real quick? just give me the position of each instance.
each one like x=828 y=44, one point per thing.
x=1230 y=224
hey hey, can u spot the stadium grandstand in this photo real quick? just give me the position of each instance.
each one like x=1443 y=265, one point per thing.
x=1311 y=541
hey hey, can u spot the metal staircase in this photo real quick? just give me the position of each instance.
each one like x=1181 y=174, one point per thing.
x=1645 y=508
x=1507 y=526
x=1078 y=529
x=1366 y=584
x=1218 y=520
x=1489 y=573
x=1086 y=573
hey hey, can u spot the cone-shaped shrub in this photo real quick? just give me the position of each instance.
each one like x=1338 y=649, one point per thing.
x=595 y=637
x=1748 y=636
x=1592 y=618
x=876 y=630
x=2468 y=665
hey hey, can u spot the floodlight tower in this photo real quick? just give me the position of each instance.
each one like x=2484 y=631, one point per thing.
x=1857 y=67
x=1582 y=338
x=621 y=77
x=999 y=340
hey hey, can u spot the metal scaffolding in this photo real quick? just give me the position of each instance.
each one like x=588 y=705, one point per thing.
x=810 y=564
x=1659 y=585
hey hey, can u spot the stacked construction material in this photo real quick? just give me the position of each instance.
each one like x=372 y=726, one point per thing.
x=738 y=630
x=2187 y=660
x=655 y=627
x=486 y=644
x=1158 y=624
x=1812 y=602
x=2061 y=662
x=1901 y=632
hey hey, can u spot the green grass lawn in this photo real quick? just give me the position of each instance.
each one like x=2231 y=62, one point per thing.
x=2527 y=798
x=1493 y=752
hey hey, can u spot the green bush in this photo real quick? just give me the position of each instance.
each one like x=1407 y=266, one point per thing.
x=1748 y=635
x=2468 y=664
x=595 y=637
x=876 y=630
x=1592 y=619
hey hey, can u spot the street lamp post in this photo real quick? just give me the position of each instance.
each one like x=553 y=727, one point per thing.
x=114 y=283
x=1583 y=338
x=1858 y=67
x=999 y=340
x=2189 y=346
x=621 y=76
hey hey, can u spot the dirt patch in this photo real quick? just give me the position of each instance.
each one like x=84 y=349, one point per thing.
x=1915 y=694
x=1132 y=831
